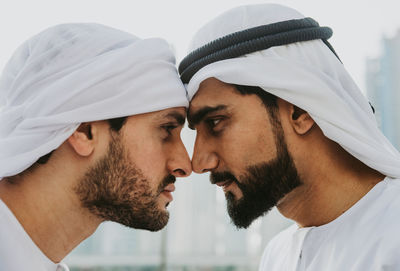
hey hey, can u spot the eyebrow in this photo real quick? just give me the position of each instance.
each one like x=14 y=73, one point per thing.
x=196 y=117
x=178 y=117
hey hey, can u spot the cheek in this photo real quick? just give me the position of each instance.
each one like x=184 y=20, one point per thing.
x=148 y=156
x=246 y=144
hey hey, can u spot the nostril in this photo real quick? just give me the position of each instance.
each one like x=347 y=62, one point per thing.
x=180 y=172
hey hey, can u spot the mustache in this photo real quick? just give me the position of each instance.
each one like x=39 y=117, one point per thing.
x=216 y=177
x=166 y=181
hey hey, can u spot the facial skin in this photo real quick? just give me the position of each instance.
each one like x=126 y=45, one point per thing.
x=132 y=183
x=98 y=174
x=243 y=146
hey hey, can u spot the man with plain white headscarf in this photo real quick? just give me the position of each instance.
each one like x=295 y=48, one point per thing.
x=281 y=123
x=90 y=132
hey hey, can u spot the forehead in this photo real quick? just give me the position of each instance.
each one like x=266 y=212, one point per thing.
x=213 y=92
x=174 y=113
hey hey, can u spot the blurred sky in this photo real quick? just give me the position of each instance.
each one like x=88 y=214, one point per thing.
x=358 y=25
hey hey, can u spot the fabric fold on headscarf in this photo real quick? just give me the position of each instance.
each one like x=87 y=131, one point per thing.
x=74 y=73
x=306 y=74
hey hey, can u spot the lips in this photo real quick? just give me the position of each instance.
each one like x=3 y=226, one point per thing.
x=169 y=188
x=224 y=183
x=167 y=192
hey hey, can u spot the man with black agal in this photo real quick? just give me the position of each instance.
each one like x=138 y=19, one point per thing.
x=281 y=123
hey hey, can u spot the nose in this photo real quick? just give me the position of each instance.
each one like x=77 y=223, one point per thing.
x=179 y=163
x=204 y=159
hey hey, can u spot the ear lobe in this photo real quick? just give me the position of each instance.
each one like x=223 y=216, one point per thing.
x=301 y=120
x=81 y=140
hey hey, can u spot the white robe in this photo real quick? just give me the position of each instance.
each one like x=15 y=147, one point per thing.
x=365 y=237
x=17 y=250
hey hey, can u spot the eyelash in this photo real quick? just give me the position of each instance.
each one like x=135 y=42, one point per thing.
x=211 y=122
x=169 y=128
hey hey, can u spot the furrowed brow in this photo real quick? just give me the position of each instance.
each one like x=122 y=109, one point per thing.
x=195 y=118
x=179 y=118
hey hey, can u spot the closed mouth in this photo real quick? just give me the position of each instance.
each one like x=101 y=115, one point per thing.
x=224 y=184
x=169 y=188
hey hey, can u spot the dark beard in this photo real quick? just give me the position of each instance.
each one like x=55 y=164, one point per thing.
x=263 y=185
x=115 y=190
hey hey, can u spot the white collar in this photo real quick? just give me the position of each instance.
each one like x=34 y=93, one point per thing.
x=17 y=250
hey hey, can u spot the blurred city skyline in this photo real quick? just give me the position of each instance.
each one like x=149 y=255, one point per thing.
x=383 y=87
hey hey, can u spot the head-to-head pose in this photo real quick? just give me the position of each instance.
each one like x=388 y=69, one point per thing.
x=90 y=132
x=280 y=123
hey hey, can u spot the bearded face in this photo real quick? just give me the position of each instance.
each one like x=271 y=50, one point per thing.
x=241 y=142
x=262 y=186
x=116 y=190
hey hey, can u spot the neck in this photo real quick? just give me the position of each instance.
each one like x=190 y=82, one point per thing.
x=50 y=213
x=330 y=187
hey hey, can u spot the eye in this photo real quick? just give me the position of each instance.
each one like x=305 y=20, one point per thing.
x=169 y=128
x=213 y=123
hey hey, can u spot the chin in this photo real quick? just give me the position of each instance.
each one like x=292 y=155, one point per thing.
x=237 y=194
x=157 y=223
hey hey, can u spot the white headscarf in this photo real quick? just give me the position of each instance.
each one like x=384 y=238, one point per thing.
x=306 y=74
x=75 y=73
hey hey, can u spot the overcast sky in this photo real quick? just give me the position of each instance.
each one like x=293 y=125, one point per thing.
x=358 y=25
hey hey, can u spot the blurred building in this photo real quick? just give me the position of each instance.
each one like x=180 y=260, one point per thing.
x=383 y=87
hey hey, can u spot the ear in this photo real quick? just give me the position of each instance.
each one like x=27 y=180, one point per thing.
x=82 y=140
x=300 y=120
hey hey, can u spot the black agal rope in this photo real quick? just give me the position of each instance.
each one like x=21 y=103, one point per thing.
x=252 y=40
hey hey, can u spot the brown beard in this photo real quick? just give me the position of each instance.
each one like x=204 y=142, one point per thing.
x=263 y=184
x=115 y=190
